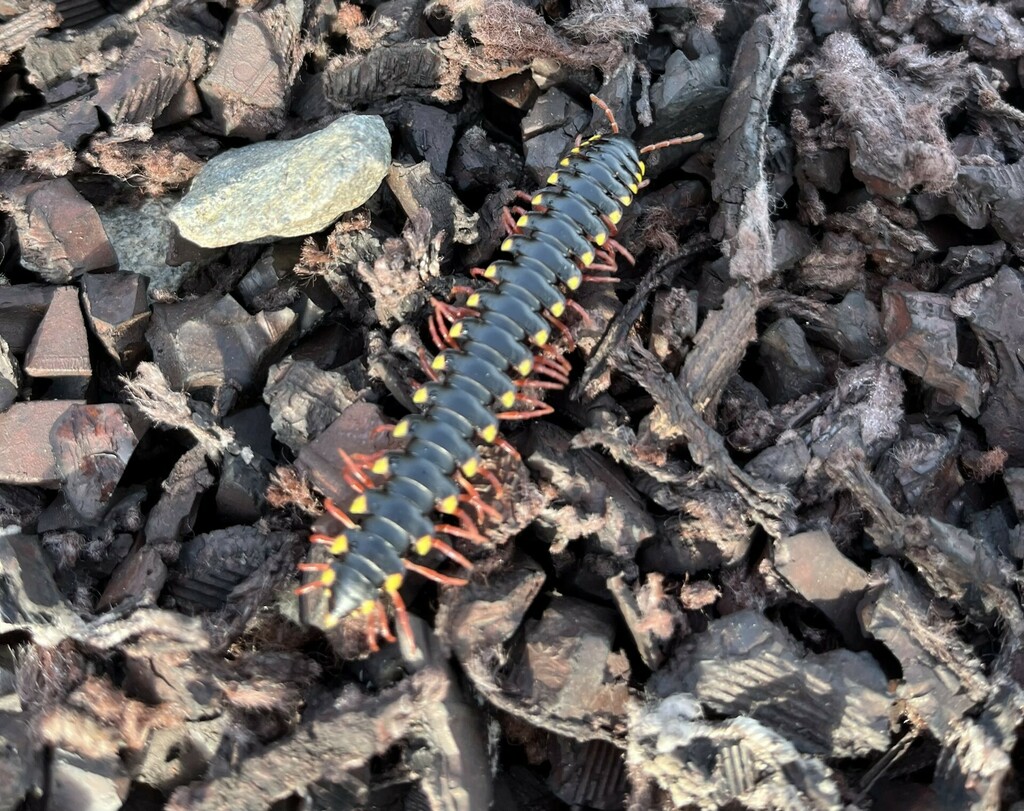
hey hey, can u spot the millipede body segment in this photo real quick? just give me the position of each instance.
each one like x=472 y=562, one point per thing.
x=492 y=348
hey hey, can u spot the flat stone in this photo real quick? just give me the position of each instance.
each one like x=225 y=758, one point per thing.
x=264 y=190
x=60 y=347
x=140 y=236
x=140 y=576
x=27 y=456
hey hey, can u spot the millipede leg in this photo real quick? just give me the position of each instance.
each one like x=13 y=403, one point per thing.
x=570 y=342
x=617 y=246
x=509 y=448
x=613 y=229
x=492 y=480
x=459 y=532
x=607 y=111
x=428 y=370
x=432 y=574
x=321 y=539
x=473 y=497
x=509 y=222
x=402 y=617
x=451 y=554
x=338 y=513
x=583 y=314
x=685 y=139
x=382 y=622
x=355 y=469
x=538 y=409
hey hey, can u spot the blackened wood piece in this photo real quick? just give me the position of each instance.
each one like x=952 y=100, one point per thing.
x=60 y=347
x=118 y=312
x=92 y=445
x=153 y=72
x=304 y=400
x=19 y=30
x=25 y=437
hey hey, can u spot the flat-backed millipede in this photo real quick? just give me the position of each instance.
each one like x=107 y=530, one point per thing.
x=492 y=347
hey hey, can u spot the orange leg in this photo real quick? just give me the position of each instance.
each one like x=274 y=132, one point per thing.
x=616 y=246
x=373 y=630
x=451 y=554
x=402 y=618
x=357 y=470
x=613 y=229
x=382 y=620
x=338 y=513
x=428 y=370
x=322 y=540
x=431 y=574
x=607 y=111
x=685 y=139
x=509 y=222
x=506 y=446
x=473 y=497
x=530 y=383
x=538 y=408
x=492 y=480
x=570 y=342
x=458 y=532
x=583 y=314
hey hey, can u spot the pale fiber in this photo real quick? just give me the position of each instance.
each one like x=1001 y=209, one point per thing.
x=285 y=188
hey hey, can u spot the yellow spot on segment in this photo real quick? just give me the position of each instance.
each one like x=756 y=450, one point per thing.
x=574 y=283
x=625 y=199
x=402 y=429
x=491 y=272
x=523 y=221
x=367 y=607
x=614 y=217
x=600 y=239
x=330 y=621
x=536 y=201
x=643 y=168
x=359 y=506
x=420 y=395
x=574 y=151
x=508 y=399
x=489 y=434
x=634 y=188
x=541 y=337
x=507 y=244
x=557 y=309
x=473 y=300
x=470 y=467
x=392 y=583
x=381 y=466
x=552 y=179
x=423 y=544
x=340 y=545
x=564 y=161
x=328 y=577
x=456 y=329
x=525 y=367
x=438 y=363
x=448 y=505
x=587 y=259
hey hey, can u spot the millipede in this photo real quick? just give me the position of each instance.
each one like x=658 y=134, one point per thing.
x=495 y=353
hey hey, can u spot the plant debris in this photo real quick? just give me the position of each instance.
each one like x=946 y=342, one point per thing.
x=765 y=552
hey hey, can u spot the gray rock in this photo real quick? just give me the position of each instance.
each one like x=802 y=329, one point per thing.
x=285 y=188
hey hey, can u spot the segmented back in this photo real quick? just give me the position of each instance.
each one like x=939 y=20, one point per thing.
x=496 y=344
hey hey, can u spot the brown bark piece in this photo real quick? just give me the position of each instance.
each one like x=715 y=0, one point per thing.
x=22 y=308
x=568 y=670
x=60 y=347
x=28 y=457
x=821 y=574
x=152 y=73
x=118 y=312
x=64 y=125
x=922 y=339
x=249 y=86
x=60 y=234
x=92 y=445
x=18 y=31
